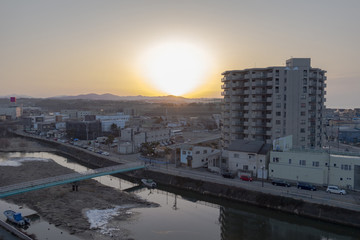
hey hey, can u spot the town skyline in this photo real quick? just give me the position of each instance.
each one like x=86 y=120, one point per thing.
x=70 y=48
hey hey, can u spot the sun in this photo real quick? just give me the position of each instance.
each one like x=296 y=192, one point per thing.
x=175 y=68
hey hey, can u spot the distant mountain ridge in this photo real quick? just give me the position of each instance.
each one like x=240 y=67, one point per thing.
x=112 y=97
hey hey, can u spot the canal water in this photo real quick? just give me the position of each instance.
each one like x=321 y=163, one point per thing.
x=185 y=215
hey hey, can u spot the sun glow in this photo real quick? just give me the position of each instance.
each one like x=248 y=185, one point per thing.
x=175 y=68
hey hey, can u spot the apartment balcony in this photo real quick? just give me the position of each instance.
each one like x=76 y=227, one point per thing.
x=269 y=133
x=246 y=92
x=225 y=79
x=269 y=91
x=247 y=100
x=259 y=92
x=260 y=132
x=259 y=108
x=269 y=75
x=269 y=108
x=269 y=124
x=247 y=84
x=269 y=116
x=246 y=115
x=236 y=99
x=225 y=93
x=246 y=108
x=269 y=83
x=259 y=116
x=237 y=123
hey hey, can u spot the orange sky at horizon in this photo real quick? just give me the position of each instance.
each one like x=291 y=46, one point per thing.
x=52 y=48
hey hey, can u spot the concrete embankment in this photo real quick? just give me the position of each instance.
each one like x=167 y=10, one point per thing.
x=280 y=203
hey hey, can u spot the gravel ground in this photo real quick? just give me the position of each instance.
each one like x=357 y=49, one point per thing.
x=66 y=208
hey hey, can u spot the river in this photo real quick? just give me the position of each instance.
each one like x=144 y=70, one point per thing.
x=185 y=215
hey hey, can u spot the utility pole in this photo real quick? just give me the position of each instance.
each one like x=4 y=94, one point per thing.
x=262 y=177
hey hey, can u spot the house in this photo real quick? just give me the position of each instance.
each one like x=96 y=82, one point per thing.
x=248 y=157
x=198 y=156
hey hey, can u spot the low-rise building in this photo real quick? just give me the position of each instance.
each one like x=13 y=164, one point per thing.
x=198 y=156
x=317 y=167
x=139 y=136
x=250 y=157
x=83 y=130
x=11 y=112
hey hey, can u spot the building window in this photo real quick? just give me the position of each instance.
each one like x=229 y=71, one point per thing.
x=275 y=159
x=303 y=105
x=236 y=155
x=276 y=81
x=289 y=160
x=278 y=105
x=302 y=121
x=304 y=89
x=197 y=152
x=305 y=81
x=278 y=122
x=277 y=73
x=302 y=139
x=245 y=167
x=278 y=114
x=302 y=162
x=205 y=151
x=302 y=130
x=315 y=164
x=346 y=167
x=305 y=73
x=276 y=89
x=302 y=113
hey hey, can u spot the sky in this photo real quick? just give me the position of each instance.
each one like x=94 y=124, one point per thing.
x=50 y=48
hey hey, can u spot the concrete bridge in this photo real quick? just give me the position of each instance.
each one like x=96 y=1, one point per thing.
x=67 y=178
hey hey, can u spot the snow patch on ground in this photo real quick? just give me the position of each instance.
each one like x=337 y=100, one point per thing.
x=99 y=219
x=16 y=162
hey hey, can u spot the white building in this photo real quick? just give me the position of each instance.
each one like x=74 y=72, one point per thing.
x=248 y=157
x=119 y=120
x=317 y=167
x=137 y=137
x=198 y=156
x=11 y=112
x=263 y=104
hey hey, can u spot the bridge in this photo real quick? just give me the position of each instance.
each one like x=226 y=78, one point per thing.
x=67 y=178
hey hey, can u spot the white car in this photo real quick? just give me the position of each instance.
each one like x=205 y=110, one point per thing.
x=335 y=189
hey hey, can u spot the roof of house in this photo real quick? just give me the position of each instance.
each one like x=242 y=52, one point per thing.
x=258 y=147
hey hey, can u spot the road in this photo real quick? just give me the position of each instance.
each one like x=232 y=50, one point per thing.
x=350 y=201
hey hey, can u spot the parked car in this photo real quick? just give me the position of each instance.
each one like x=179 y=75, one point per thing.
x=307 y=186
x=246 y=178
x=335 y=189
x=280 y=182
x=228 y=175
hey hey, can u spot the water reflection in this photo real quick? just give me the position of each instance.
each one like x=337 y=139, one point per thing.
x=184 y=214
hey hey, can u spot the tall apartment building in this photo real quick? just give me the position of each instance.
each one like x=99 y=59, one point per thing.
x=268 y=103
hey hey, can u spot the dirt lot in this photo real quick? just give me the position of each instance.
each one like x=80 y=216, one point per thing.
x=65 y=208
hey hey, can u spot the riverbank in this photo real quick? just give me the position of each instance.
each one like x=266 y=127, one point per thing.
x=288 y=204
x=71 y=210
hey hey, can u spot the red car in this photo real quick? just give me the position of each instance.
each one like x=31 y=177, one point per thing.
x=246 y=178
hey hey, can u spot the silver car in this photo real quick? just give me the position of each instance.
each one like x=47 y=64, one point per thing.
x=335 y=189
